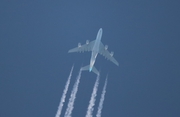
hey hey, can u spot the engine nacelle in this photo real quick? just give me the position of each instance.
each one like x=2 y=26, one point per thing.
x=106 y=47
x=87 y=41
x=112 y=53
x=79 y=44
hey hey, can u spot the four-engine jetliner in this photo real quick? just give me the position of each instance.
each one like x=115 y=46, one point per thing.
x=96 y=47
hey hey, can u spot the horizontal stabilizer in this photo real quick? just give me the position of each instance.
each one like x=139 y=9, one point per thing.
x=93 y=69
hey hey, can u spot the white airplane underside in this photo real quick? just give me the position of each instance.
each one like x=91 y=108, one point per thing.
x=96 y=47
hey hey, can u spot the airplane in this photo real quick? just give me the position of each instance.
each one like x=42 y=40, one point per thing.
x=96 y=47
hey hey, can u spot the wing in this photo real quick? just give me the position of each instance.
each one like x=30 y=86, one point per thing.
x=82 y=48
x=107 y=54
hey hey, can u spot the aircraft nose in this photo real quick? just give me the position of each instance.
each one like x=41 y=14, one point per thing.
x=100 y=30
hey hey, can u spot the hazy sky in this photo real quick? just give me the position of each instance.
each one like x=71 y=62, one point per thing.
x=35 y=37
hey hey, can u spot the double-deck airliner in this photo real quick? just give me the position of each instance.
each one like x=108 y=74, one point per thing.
x=96 y=47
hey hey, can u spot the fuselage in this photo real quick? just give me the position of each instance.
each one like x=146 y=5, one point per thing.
x=95 y=49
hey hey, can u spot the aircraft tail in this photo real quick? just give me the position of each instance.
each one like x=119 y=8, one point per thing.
x=93 y=69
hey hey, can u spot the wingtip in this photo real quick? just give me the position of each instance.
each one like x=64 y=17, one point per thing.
x=69 y=51
x=117 y=64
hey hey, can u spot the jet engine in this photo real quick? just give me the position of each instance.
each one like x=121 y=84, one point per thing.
x=106 y=47
x=87 y=41
x=112 y=53
x=79 y=44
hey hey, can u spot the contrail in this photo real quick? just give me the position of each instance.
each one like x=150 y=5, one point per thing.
x=102 y=99
x=73 y=97
x=93 y=99
x=64 y=94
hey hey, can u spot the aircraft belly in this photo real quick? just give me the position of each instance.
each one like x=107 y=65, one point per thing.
x=93 y=58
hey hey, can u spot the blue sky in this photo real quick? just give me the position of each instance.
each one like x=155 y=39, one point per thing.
x=35 y=37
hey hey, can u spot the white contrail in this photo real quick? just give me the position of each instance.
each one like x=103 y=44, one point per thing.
x=102 y=100
x=73 y=97
x=64 y=94
x=93 y=99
